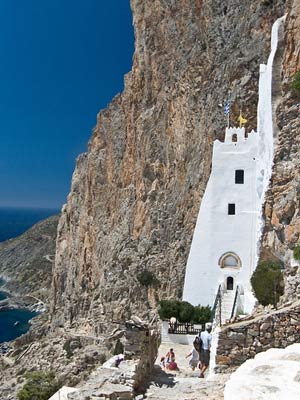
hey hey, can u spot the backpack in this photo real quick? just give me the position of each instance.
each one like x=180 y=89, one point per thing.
x=198 y=343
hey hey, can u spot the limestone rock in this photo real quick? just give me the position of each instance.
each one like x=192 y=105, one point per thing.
x=135 y=195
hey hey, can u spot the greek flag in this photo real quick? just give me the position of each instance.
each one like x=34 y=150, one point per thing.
x=227 y=107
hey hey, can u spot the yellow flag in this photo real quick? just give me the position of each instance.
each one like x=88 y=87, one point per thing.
x=241 y=120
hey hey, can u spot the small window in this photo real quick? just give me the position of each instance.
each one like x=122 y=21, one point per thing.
x=239 y=176
x=231 y=209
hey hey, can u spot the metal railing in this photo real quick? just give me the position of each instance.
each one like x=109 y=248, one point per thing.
x=184 y=329
x=235 y=302
x=216 y=310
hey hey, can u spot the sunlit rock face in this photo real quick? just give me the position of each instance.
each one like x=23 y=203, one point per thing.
x=135 y=195
x=282 y=229
x=271 y=375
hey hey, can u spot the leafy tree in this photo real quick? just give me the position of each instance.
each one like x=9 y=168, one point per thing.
x=202 y=314
x=119 y=348
x=267 y=282
x=186 y=312
x=39 y=386
x=169 y=309
x=297 y=253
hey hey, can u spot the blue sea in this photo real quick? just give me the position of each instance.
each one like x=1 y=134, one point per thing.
x=14 y=222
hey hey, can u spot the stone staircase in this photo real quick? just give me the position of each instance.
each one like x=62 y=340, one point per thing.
x=226 y=305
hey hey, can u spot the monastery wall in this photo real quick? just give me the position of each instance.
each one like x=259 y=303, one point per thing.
x=217 y=233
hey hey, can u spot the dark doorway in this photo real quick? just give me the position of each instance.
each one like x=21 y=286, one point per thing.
x=229 y=283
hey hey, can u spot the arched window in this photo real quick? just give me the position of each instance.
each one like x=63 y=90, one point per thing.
x=230 y=260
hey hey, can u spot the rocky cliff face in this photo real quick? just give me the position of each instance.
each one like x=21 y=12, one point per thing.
x=26 y=261
x=135 y=195
x=282 y=202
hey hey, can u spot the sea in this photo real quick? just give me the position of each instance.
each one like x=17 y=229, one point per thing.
x=14 y=222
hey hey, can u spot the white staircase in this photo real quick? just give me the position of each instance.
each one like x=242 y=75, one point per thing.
x=226 y=305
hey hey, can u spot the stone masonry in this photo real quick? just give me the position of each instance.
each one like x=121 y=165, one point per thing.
x=243 y=340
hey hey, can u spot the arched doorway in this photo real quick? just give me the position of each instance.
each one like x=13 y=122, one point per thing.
x=229 y=283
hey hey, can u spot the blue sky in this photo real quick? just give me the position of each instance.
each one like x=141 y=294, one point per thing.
x=61 y=61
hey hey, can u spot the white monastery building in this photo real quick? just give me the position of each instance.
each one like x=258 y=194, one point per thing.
x=225 y=245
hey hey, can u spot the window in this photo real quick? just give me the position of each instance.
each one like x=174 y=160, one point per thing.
x=239 y=176
x=230 y=261
x=231 y=209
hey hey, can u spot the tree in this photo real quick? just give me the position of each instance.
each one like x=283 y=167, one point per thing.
x=119 y=348
x=183 y=311
x=169 y=309
x=202 y=314
x=39 y=386
x=267 y=282
x=186 y=312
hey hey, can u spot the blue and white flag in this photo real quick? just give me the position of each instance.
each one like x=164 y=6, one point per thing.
x=227 y=107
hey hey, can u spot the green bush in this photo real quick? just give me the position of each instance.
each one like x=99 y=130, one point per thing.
x=39 y=386
x=295 y=84
x=147 y=278
x=119 y=348
x=184 y=311
x=67 y=348
x=202 y=314
x=297 y=253
x=169 y=309
x=267 y=282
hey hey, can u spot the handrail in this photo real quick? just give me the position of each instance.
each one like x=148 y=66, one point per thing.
x=217 y=300
x=235 y=302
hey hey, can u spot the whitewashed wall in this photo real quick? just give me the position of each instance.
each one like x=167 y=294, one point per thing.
x=174 y=338
x=217 y=232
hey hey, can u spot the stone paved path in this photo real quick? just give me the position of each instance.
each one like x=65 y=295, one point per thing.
x=183 y=384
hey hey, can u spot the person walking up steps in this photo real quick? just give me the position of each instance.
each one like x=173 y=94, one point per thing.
x=205 y=349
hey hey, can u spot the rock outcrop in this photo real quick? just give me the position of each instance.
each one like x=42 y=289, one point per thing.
x=135 y=195
x=26 y=261
x=282 y=215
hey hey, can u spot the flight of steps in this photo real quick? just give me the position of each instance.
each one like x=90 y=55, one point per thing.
x=226 y=305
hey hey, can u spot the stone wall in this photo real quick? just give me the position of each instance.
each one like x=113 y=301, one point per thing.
x=142 y=343
x=241 y=341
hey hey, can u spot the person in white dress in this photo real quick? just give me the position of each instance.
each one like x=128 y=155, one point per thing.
x=194 y=354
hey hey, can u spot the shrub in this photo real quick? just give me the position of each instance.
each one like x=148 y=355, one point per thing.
x=202 y=314
x=119 y=348
x=39 y=386
x=186 y=312
x=267 y=282
x=267 y=3
x=295 y=84
x=297 y=253
x=147 y=278
x=67 y=348
x=169 y=309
